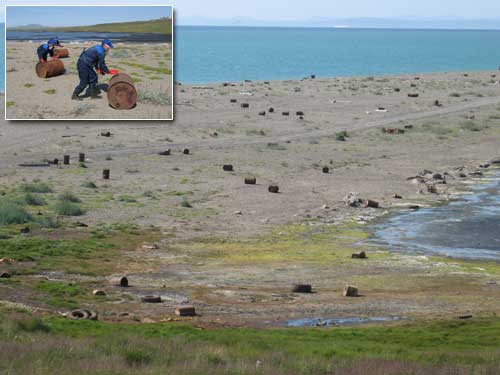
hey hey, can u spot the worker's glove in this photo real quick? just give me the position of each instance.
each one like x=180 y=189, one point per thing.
x=99 y=71
x=42 y=60
x=112 y=71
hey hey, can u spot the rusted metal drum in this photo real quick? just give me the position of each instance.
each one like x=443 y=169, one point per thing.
x=61 y=53
x=52 y=68
x=121 y=92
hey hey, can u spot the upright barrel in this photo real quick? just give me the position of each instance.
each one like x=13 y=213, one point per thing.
x=121 y=92
x=47 y=69
x=61 y=53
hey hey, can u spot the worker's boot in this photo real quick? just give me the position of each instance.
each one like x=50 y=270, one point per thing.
x=94 y=93
x=75 y=96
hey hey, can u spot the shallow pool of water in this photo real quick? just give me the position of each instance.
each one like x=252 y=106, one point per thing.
x=466 y=228
x=320 y=322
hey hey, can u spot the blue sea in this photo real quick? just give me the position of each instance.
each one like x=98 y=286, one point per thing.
x=218 y=54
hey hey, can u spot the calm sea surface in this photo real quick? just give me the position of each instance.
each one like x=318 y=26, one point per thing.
x=219 y=54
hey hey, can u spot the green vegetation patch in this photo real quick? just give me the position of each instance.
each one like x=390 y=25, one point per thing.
x=36 y=187
x=147 y=68
x=451 y=347
x=13 y=213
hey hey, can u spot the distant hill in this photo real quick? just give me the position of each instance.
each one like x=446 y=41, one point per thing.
x=158 y=26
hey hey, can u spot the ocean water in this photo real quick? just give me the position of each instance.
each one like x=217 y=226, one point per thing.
x=66 y=37
x=468 y=228
x=218 y=54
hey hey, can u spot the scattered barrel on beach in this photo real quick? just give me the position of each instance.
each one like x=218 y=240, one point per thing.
x=61 y=53
x=48 y=69
x=121 y=92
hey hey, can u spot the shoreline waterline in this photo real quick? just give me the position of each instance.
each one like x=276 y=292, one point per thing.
x=461 y=228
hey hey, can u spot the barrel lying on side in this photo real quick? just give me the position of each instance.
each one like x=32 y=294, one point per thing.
x=47 y=69
x=61 y=53
x=121 y=92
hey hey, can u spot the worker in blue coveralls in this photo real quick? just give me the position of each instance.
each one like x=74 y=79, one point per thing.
x=90 y=61
x=47 y=49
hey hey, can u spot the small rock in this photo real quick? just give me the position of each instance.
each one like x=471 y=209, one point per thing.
x=99 y=292
x=4 y=275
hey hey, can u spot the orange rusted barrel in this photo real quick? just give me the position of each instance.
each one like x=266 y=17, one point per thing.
x=121 y=92
x=61 y=53
x=52 y=68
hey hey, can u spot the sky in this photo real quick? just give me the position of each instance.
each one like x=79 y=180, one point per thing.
x=81 y=15
x=276 y=11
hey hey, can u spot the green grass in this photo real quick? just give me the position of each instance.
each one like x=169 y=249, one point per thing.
x=10 y=104
x=60 y=294
x=66 y=208
x=147 y=68
x=36 y=187
x=13 y=213
x=186 y=204
x=156 y=26
x=89 y=185
x=91 y=253
x=50 y=91
x=127 y=199
x=28 y=85
x=58 y=345
x=158 y=98
x=68 y=197
x=34 y=200
x=472 y=126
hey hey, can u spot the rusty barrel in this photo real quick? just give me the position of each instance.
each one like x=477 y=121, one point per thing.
x=47 y=69
x=61 y=53
x=121 y=92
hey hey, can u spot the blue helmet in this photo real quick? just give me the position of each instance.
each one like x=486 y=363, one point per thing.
x=52 y=42
x=108 y=43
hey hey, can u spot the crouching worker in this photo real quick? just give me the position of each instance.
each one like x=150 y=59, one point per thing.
x=90 y=60
x=46 y=49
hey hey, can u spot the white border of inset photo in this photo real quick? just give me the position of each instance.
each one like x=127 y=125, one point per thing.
x=90 y=119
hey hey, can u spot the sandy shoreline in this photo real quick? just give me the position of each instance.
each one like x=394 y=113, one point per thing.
x=29 y=97
x=237 y=250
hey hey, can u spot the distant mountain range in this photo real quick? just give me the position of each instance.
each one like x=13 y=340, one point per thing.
x=387 y=23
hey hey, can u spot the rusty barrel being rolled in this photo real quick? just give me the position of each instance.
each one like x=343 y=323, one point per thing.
x=61 y=53
x=121 y=92
x=47 y=69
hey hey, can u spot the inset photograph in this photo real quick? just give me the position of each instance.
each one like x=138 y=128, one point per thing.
x=89 y=63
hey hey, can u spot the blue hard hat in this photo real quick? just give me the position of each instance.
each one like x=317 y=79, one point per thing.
x=52 y=41
x=108 y=43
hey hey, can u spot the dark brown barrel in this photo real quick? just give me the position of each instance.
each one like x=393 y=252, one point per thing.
x=52 y=68
x=61 y=53
x=121 y=92
x=105 y=174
